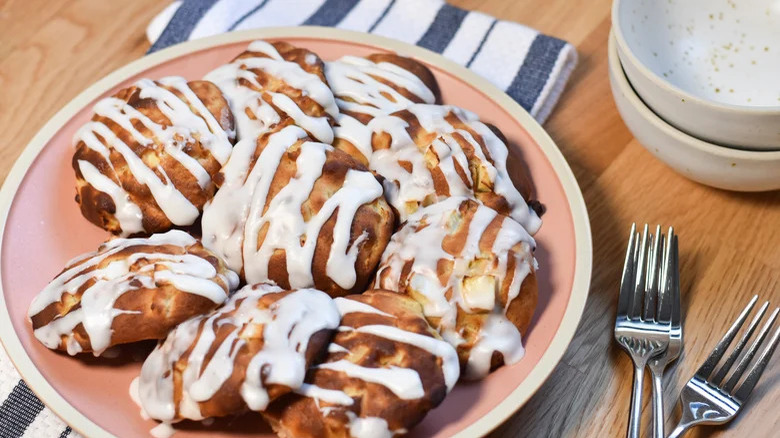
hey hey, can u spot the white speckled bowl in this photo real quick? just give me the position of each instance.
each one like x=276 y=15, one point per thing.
x=707 y=163
x=709 y=67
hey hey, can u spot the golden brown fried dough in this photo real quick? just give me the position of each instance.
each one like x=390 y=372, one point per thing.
x=274 y=81
x=240 y=357
x=377 y=85
x=427 y=153
x=385 y=370
x=145 y=161
x=129 y=290
x=473 y=271
x=298 y=213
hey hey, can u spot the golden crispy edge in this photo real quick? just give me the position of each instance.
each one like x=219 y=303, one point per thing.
x=415 y=67
x=161 y=308
x=298 y=416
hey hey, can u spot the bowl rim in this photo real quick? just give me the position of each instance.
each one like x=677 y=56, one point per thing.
x=616 y=67
x=730 y=108
x=572 y=192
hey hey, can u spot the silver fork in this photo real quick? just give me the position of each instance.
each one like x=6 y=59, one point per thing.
x=705 y=399
x=658 y=364
x=643 y=333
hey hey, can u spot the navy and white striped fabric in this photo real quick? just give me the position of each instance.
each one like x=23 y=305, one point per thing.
x=531 y=67
x=21 y=413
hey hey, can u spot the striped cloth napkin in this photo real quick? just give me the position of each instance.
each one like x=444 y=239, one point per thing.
x=21 y=413
x=531 y=67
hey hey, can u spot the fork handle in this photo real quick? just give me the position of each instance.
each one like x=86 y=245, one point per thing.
x=658 y=404
x=635 y=415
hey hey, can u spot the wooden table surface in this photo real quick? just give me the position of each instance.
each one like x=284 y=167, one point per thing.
x=729 y=242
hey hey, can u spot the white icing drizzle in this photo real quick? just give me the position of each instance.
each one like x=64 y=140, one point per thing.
x=287 y=327
x=332 y=396
x=127 y=212
x=423 y=246
x=450 y=366
x=355 y=132
x=436 y=347
x=243 y=98
x=189 y=120
x=225 y=216
x=405 y=383
x=370 y=427
x=354 y=306
x=336 y=348
x=136 y=398
x=234 y=218
x=355 y=78
x=188 y=273
x=496 y=334
x=401 y=187
x=162 y=430
x=218 y=143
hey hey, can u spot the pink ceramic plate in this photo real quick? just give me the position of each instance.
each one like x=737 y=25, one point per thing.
x=42 y=228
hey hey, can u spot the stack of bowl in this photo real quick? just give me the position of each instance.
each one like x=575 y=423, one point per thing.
x=698 y=84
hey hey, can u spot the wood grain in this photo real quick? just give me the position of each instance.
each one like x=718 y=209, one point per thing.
x=729 y=242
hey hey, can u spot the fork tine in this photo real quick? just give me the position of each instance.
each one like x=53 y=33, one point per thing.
x=665 y=298
x=635 y=308
x=745 y=362
x=675 y=283
x=724 y=369
x=653 y=272
x=709 y=365
x=750 y=382
x=627 y=280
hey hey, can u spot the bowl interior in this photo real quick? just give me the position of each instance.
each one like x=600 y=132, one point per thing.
x=726 y=51
x=675 y=135
x=44 y=230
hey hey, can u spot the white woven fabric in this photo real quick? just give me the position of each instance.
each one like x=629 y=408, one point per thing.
x=21 y=413
x=531 y=67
